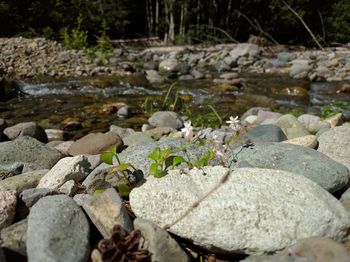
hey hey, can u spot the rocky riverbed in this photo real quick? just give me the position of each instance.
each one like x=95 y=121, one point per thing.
x=282 y=182
x=285 y=196
x=23 y=58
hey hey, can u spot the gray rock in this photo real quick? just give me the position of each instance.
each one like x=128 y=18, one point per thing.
x=303 y=161
x=230 y=61
x=229 y=76
x=167 y=66
x=121 y=131
x=159 y=243
x=265 y=133
x=154 y=77
x=136 y=139
x=186 y=77
x=166 y=119
x=253 y=112
x=244 y=215
x=14 y=237
x=68 y=188
x=55 y=134
x=64 y=147
x=30 y=152
x=123 y=112
x=291 y=126
x=57 y=231
x=335 y=143
x=101 y=178
x=8 y=201
x=138 y=155
x=32 y=195
x=95 y=143
x=26 y=129
x=7 y=171
x=345 y=200
x=312 y=123
x=106 y=210
x=151 y=66
x=24 y=181
x=197 y=74
x=286 y=56
x=68 y=168
x=299 y=70
x=159 y=132
x=221 y=67
x=267 y=117
x=245 y=49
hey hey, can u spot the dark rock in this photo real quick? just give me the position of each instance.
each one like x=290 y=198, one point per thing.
x=14 y=237
x=265 y=133
x=30 y=152
x=10 y=89
x=32 y=195
x=151 y=65
x=307 y=162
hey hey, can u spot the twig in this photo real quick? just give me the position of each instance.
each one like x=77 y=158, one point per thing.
x=222 y=181
x=323 y=29
x=304 y=24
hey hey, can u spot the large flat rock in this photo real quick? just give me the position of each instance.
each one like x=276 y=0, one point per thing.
x=254 y=212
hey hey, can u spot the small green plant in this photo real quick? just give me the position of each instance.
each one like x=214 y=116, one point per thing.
x=334 y=108
x=75 y=38
x=126 y=169
x=163 y=161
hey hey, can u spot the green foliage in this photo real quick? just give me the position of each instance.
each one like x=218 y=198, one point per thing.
x=163 y=161
x=75 y=38
x=340 y=21
x=334 y=108
x=126 y=169
x=296 y=112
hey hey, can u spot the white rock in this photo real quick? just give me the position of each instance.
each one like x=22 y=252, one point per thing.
x=306 y=141
x=255 y=211
x=68 y=188
x=335 y=143
x=68 y=168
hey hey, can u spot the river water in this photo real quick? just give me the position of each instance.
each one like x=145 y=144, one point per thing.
x=53 y=103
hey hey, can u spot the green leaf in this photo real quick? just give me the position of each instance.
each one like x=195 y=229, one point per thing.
x=199 y=163
x=177 y=160
x=98 y=192
x=154 y=169
x=124 y=190
x=107 y=157
x=155 y=155
x=123 y=167
x=165 y=153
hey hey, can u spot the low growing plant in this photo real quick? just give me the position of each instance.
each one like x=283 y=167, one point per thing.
x=334 y=108
x=126 y=169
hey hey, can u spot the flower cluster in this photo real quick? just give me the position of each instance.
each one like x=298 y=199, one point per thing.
x=234 y=124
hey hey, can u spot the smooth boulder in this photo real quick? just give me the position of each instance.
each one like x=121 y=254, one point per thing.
x=58 y=231
x=256 y=211
x=300 y=160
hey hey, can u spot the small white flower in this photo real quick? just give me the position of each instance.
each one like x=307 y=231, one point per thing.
x=219 y=154
x=234 y=123
x=188 y=129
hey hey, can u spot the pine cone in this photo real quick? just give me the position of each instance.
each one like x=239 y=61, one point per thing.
x=123 y=247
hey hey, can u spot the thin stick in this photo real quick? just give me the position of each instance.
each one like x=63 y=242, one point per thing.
x=222 y=181
x=257 y=27
x=304 y=24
